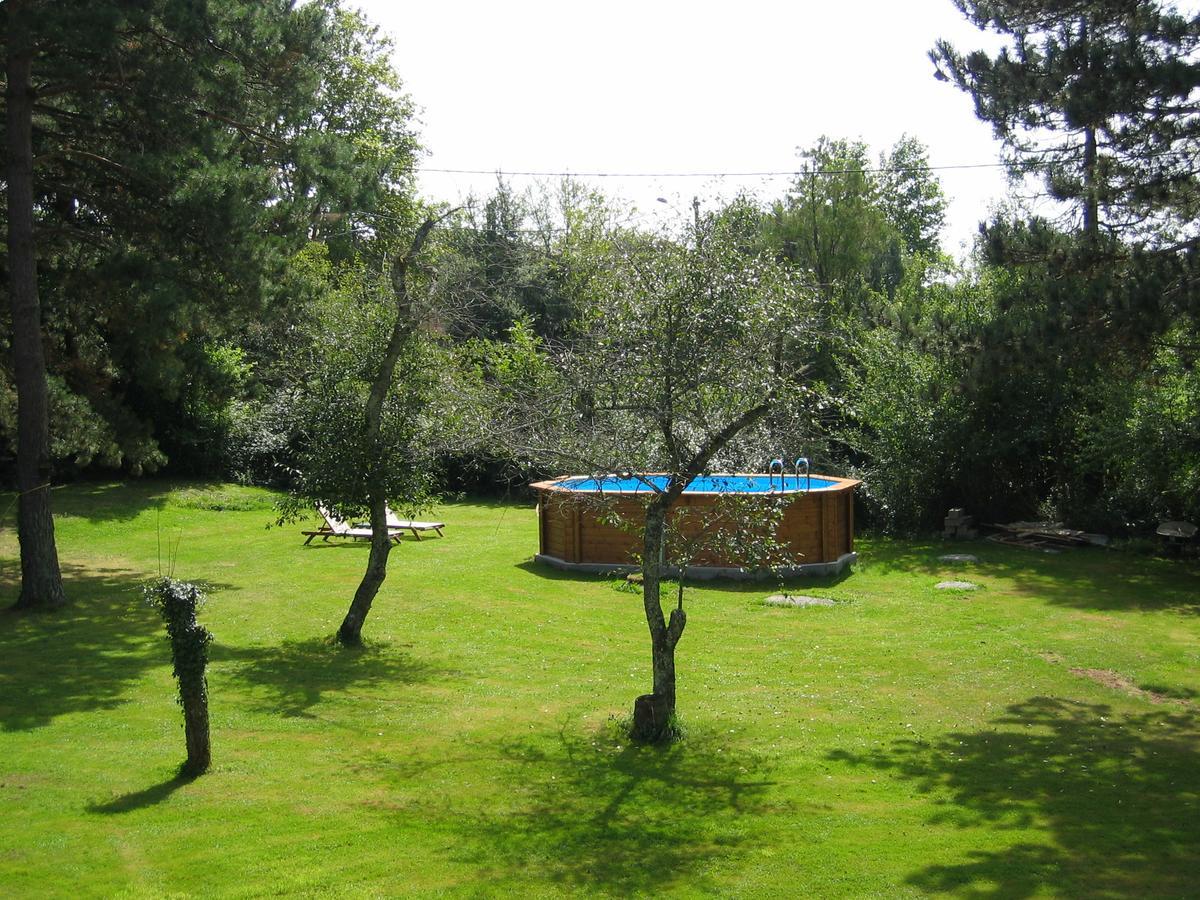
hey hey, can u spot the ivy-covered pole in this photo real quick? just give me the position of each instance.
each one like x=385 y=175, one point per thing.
x=178 y=601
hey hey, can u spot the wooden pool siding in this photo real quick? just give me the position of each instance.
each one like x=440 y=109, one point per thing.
x=817 y=526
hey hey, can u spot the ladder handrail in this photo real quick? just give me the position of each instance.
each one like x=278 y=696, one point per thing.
x=802 y=461
x=778 y=461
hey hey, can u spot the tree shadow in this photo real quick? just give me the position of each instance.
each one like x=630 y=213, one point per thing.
x=293 y=677
x=1114 y=794
x=339 y=544
x=553 y=573
x=591 y=812
x=141 y=799
x=1185 y=695
x=80 y=658
x=108 y=501
x=1089 y=578
x=748 y=586
x=768 y=583
x=321 y=543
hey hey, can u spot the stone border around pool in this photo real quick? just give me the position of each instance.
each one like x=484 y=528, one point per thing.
x=705 y=573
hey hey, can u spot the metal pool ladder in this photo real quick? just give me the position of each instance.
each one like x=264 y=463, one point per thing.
x=801 y=462
x=771 y=474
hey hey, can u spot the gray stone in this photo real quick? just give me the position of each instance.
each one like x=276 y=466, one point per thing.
x=797 y=600
x=956 y=586
x=959 y=558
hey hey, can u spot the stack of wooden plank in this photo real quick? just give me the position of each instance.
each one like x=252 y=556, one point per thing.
x=1044 y=536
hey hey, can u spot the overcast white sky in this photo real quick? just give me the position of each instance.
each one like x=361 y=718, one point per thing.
x=665 y=86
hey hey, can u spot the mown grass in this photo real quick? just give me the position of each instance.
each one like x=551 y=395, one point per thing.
x=905 y=741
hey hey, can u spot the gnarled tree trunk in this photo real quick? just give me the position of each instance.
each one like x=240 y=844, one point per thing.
x=41 y=578
x=350 y=632
x=652 y=713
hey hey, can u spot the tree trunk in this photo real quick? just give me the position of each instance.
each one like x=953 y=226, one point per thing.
x=1091 y=201
x=350 y=632
x=41 y=578
x=652 y=713
x=195 y=727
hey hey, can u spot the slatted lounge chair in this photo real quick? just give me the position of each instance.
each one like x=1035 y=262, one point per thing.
x=335 y=527
x=394 y=522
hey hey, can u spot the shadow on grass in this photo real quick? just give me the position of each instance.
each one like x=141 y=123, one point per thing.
x=340 y=544
x=755 y=587
x=758 y=586
x=80 y=658
x=553 y=573
x=1187 y=695
x=1114 y=794
x=590 y=812
x=320 y=543
x=109 y=501
x=293 y=677
x=1083 y=578
x=121 y=501
x=143 y=798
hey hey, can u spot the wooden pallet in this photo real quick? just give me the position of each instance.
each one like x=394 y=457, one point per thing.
x=1044 y=536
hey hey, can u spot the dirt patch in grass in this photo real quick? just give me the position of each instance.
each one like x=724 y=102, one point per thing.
x=1118 y=682
x=1123 y=683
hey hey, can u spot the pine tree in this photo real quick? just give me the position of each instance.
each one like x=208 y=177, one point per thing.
x=178 y=154
x=1098 y=97
x=41 y=578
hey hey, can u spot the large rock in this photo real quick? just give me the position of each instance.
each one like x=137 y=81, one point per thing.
x=797 y=600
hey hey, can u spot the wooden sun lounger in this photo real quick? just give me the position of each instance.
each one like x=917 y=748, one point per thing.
x=358 y=534
x=335 y=527
x=417 y=527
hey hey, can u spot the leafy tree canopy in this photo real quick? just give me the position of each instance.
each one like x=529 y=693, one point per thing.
x=1098 y=97
x=183 y=152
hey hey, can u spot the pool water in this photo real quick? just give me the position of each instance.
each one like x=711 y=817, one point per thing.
x=705 y=484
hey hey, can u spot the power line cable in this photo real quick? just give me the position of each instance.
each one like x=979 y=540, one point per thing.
x=773 y=174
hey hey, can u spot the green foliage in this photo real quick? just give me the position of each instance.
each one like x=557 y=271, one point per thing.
x=178 y=602
x=321 y=405
x=855 y=228
x=906 y=420
x=1098 y=100
x=625 y=586
x=832 y=225
x=169 y=199
x=218 y=499
x=197 y=442
x=499 y=272
x=496 y=377
x=675 y=343
x=1137 y=442
x=911 y=196
x=1095 y=97
x=957 y=398
x=521 y=258
x=83 y=435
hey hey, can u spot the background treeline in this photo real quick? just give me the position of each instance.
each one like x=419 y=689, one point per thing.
x=214 y=243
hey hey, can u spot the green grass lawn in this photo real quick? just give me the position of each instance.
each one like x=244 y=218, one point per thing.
x=1039 y=737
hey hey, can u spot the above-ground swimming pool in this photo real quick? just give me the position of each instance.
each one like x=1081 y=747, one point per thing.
x=817 y=525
